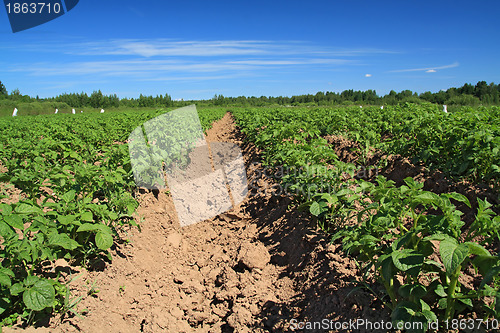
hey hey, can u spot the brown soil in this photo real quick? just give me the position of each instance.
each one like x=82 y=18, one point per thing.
x=11 y=193
x=252 y=269
x=398 y=168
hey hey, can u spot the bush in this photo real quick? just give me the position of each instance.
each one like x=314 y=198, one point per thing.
x=463 y=100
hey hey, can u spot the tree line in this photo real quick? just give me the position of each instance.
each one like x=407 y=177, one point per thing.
x=95 y=100
x=468 y=94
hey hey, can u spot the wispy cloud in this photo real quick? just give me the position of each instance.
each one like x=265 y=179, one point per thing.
x=427 y=69
x=139 y=67
x=194 y=78
x=142 y=60
x=315 y=61
x=145 y=67
x=162 y=59
x=166 y=47
x=162 y=47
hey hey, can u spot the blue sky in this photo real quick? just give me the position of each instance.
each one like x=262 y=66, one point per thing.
x=195 y=49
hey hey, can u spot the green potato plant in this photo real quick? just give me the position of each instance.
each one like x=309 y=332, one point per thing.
x=411 y=241
x=76 y=184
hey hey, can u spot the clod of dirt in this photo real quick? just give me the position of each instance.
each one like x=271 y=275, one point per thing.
x=240 y=316
x=174 y=239
x=253 y=255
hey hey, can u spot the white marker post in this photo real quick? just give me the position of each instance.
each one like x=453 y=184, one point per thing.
x=56 y=111
x=382 y=107
x=73 y=111
x=14 y=114
x=445 y=110
x=102 y=110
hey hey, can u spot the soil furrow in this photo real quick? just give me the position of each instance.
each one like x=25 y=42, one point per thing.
x=252 y=269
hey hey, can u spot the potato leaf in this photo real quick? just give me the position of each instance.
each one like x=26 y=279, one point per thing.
x=88 y=227
x=62 y=240
x=408 y=261
x=27 y=209
x=452 y=254
x=39 y=296
x=5 y=275
x=103 y=240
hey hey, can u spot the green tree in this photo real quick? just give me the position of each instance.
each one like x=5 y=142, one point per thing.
x=481 y=89
x=319 y=96
x=3 y=90
x=168 y=100
x=15 y=94
x=467 y=89
x=427 y=96
x=96 y=99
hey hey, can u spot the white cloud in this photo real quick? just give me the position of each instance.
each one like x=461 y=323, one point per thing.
x=161 y=59
x=368 y=75
x=161 y=47
x=192 y=78
x=150 y=48
x=171 y=48
x=290 y=62
x=427 y=69
x=160 y=69
x=140 y=67
x=168 y=60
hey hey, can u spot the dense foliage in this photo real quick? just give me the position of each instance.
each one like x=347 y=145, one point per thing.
x=415 y=243
x=76 y=186
x=481 y=93
x=463 y=144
